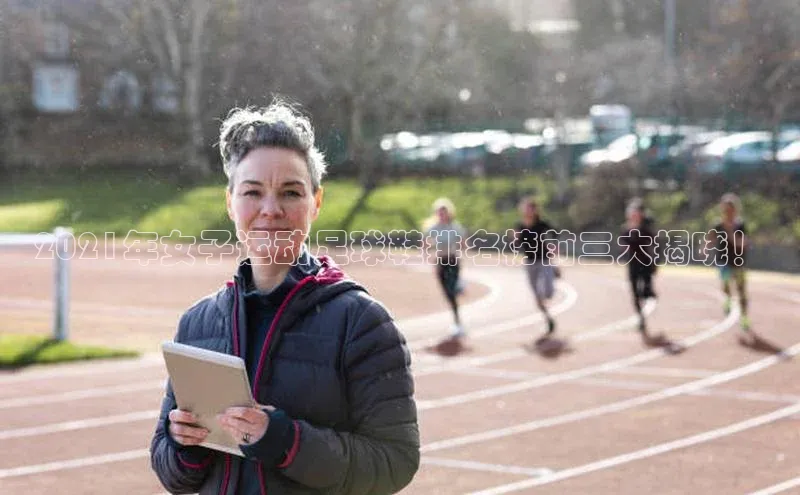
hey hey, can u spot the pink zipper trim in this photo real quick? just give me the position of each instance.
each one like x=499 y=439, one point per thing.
x=262 y=485
x=192 y=465
x=295 y=447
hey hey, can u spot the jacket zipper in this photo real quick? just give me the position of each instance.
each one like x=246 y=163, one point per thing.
x=235 y=319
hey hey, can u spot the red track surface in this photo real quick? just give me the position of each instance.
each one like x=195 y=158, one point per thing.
x=608 y=414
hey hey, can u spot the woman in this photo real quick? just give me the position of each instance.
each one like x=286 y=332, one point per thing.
x=730 y=249
x=530 y=235
x=638 y=237
x=446 y=237
x=324 y=358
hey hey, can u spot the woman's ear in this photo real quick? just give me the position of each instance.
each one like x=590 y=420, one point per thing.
x=317 y=203
x=228 y=203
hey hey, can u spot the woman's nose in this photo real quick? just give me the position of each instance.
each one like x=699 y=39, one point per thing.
x=271 y=206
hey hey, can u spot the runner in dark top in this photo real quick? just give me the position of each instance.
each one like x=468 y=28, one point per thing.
x=638 y=239
x=529 y=238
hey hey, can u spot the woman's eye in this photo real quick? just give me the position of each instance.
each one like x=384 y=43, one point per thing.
x=293 y=194
x=251 y=192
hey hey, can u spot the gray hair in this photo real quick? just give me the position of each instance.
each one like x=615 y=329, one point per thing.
x=280 y=125
x=635 y=204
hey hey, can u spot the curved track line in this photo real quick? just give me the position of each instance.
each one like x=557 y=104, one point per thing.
x=578 y=373
x=666 y=393
x=780 y=487
x=654 y=450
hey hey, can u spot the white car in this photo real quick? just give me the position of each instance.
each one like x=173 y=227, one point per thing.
x=741 y=151
x=790 y=153
x=618 y=150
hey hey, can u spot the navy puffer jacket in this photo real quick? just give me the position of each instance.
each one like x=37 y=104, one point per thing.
x=333 y=361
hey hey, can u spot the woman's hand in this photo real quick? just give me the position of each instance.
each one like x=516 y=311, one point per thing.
x=183 y=428
x=245 y=424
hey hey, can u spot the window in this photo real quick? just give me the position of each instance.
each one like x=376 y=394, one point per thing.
x=121 y=91
x=165 y=94
x=55 y=88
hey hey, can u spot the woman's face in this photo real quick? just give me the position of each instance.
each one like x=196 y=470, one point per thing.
x=728 y=211
x=635 y=216
x=272 y=204
x=529 y=211
x=444 y=215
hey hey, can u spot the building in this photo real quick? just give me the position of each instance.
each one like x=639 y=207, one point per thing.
x=62 y=105
x=553 y=21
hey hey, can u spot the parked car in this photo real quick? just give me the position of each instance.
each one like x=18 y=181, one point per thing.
x=741 y=152
x=789 y=157
x=651 y=148
x=682 y=154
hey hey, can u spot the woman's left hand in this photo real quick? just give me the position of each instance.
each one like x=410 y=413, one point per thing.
x=245 y=424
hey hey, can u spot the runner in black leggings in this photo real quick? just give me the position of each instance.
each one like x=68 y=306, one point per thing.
x=638 y=239
x=446 y=236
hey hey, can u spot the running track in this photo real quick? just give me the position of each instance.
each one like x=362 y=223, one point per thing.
x=610 y=415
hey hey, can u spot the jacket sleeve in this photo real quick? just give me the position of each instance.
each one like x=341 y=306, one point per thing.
x=180 y=469
x=381 y=453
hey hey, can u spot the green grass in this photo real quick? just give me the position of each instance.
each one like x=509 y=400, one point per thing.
x=480 y=204
x=23 y=350
x=189 y=212
x=35 y=217
x=92 y=203
x=122 y=203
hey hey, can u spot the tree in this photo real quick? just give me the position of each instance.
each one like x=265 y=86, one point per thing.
x=172 y=38
x=747 y=62
x=363 y=57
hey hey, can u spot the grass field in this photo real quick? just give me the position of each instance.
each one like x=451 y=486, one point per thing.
x=124 y=202
x=22 y=350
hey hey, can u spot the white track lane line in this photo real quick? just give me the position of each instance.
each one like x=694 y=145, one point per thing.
x=89 y=461
x=121 y=456
x=780 y=487
x=450 y=364
x=485 y=303
x=641 y=385
x=526 y=427
x=608 y=366
x=482 y=466
x=667 y=372
x=80 y=369
x=78 y=424
x=149 y=360
x=654 y=450
x=74 y=463
x=90 y=422
x=37 y=400
x=154 y=359
x=613 y=407
x=570 y=299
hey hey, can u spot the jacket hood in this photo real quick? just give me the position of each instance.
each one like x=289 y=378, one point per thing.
x=315 y=281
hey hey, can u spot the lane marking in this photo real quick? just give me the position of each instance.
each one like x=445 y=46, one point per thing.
x=482 y=466
x=780 y=487
x=37 y=400
x=542 y=381
x=74 y=463
x=744 y=395
x=654 y=450
x=613 y=407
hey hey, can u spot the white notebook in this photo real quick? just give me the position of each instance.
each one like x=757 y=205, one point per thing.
x=206 y=383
